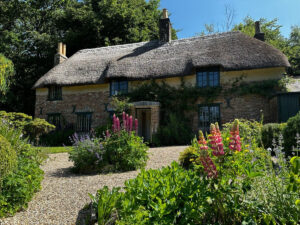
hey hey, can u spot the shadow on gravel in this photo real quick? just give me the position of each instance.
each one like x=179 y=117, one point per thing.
x=86 y=216
x=68 y=172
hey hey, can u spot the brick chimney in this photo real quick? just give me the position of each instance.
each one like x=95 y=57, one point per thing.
x=258 y=34
x=60 y=56
x=165 y=28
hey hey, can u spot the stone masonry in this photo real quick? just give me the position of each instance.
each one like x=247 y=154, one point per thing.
x=71 y=104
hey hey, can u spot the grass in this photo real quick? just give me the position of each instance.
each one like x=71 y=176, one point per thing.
x=53 y=150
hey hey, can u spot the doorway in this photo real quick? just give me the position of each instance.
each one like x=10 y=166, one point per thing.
x=144 y=117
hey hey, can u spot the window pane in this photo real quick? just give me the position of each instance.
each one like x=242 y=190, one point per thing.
x=202 y=79
x=123 y=86
x=208 y=115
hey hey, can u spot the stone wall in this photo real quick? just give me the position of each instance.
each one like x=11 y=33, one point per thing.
x=71 y=104
x=246 y=107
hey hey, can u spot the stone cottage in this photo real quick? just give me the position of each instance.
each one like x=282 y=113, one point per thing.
x=78 y=89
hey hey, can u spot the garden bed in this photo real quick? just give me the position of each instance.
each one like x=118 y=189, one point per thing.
x=64 y=194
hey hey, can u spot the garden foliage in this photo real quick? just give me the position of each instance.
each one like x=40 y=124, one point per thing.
x=270 y=132
x=120 y=150
x=8 y=159
x=19 y=185
x=231 y=182
x=31 y=128
x=290 y=132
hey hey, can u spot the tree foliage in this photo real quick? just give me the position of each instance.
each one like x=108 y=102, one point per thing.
x=289 y=46
x=6 y=75
x=31 y=29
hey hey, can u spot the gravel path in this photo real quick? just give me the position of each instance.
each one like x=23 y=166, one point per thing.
x=64 y=194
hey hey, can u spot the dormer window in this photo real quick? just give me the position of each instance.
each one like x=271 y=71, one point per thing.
x=54 y=93
x=118 y=87
x=208 y=77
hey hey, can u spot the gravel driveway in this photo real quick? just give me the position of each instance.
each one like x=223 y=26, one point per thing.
x=64 y=194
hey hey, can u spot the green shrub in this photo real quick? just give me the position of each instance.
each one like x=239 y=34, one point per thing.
x=100 y=130
x=121 y=152
x=250 y=130
x=171 y=195
x=87 y=155
x=19 y=186
x=290 y=132
x=175 y=132
x=239 y=185
x=125 y=151
x=187 y=157
x=57 y=138
x=32 y=128
x=8 y=158
x=270 y=132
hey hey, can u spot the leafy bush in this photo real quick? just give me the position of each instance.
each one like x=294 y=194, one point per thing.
x=250 y=130
x=19 y=186
x=175 y=132
x=187 y=157
x=125 y=151
x=290 y=132
x=231 y=183
x=8 y=158
x=57 y=138
x=32 y=128
x=270 y=132
x=87 y=154
x=120 y=151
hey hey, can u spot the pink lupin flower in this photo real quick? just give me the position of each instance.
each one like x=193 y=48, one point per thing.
x=136 y=126
x=107 y=134
x=118 y=124
x=235 y=143
x=130 y=123
x=216 y=140
x=124 y=120
x=127 y=122
x=209 y=166
x=114 y=126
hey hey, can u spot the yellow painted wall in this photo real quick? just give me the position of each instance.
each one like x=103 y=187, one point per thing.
x=225 y=78
x=77 y=89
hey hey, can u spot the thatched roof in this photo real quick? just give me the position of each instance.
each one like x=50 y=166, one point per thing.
x=146 y=60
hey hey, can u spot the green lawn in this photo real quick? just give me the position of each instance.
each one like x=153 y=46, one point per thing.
x=53 y=150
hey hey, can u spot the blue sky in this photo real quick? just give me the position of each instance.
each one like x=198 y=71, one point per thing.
x=190 y=15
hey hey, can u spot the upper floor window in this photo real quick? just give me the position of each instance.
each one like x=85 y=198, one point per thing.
x=54 y=93
x=208 y=78
x=54 y=118
x=118 y=87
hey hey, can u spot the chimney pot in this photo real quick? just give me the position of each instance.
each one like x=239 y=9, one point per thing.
x=60 y=56
x=165 y=14
x=64 y=52
x=258 y=34
x=60 y=48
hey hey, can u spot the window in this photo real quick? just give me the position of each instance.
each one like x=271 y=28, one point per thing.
x=208 y=114
x=54 y=93
x=208 y=78
x=84 y=121
x=54 y=118
x=118 y=87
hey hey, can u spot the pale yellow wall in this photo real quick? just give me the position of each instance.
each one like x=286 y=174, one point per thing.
x=225 y=78
x=253 y=75
x=77 y=89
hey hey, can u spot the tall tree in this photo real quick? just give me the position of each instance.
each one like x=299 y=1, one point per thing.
x=30 y=30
